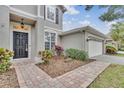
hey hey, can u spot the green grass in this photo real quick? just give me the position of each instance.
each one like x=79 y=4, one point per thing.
x=113 y=76
x=120 y=55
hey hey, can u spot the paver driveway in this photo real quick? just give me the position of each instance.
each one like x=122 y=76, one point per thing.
x=29 y=75
x=111 y=59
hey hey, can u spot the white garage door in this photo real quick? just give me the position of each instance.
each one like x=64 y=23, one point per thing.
x=95 y=48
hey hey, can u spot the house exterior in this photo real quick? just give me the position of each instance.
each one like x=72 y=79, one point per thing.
x=110 y=42
x=28 y=29
x=84 y=38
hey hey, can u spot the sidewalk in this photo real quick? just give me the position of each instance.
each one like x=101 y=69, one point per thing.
x=30 y=76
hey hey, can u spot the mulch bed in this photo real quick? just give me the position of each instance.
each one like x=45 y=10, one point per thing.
x=57 y=67
x=9 y=79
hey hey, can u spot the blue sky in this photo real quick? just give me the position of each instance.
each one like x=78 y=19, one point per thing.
x=76 y=16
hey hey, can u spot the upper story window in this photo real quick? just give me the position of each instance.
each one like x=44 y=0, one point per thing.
x=52 y=14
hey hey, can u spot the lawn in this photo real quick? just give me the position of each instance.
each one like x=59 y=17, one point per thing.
x=113 y=76
x=120 y=55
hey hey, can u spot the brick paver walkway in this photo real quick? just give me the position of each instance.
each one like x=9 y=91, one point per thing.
x=29 y=75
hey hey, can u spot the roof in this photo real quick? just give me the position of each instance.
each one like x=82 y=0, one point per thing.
x=63 y=8
x=88 y=29
x=108 y=35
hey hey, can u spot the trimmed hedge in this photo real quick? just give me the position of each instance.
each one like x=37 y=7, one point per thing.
x=76 y=54
x=111 y=50
x=121 y=49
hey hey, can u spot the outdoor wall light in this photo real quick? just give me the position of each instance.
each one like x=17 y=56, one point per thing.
x=88 y=39
x=2 y=27
x=22 y=23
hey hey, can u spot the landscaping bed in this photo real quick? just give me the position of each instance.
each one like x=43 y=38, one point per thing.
x=9 y=79
x=113 y=76
x=59 y=66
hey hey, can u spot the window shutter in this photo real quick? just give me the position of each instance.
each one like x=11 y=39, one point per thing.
x=57 y=16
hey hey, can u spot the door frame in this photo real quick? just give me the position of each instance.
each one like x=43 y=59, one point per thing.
x=16 y=46
x=12 y=29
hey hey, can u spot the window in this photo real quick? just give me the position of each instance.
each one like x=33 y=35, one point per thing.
x=50 y=13
x=50 y=40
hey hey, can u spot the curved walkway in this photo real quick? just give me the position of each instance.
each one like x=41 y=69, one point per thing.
x=30 y=76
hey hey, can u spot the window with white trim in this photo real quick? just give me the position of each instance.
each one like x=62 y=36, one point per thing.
x=50 y=13
x=50 y=40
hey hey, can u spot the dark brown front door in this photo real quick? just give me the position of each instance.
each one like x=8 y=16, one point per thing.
x=20 y=44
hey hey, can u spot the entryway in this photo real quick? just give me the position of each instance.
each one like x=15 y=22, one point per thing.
x=20 y=44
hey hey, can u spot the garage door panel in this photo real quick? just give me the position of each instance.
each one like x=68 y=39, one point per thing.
x=95 y=48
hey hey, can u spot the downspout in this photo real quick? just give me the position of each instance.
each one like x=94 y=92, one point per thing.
x=83 y=34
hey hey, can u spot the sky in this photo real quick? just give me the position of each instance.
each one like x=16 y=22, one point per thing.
x=76 y=16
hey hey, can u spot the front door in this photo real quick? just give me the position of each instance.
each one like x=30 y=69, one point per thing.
x=20 y=44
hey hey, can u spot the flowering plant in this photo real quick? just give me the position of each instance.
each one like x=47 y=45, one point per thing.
x=59 y=50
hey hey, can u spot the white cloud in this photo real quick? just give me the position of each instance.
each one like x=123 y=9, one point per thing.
x=109 y=24
x=67 y=22
x=87 y=16
x=71 y=10
x=85 y=23
x=73 y=19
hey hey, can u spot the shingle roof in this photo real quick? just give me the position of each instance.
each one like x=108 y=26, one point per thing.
x=87 y=29
x=63 y=8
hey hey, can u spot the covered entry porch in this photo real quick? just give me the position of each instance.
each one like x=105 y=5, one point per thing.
x=24 y=39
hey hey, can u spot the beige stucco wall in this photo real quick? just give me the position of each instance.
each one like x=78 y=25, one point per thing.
x=75 y=40
x=32 y=9
x=4 y=27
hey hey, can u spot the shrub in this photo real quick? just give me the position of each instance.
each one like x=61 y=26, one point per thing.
x=111 y=50
x=46 y=55
x=5 y=55
x=121 y=49
x=59 y=50
x=76 y=54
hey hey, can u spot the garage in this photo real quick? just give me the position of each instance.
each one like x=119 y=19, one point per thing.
x=95 y=48
x=84 y=38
